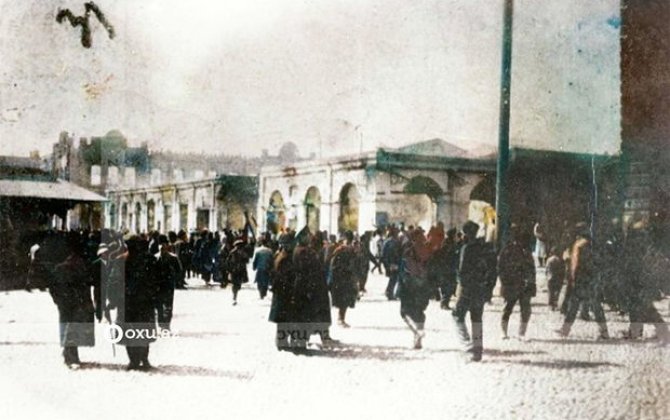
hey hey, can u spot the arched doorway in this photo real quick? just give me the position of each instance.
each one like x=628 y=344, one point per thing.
x=151 y=214
x=125 y=223
x=138 y=217
x=349 y=203
x=312 y=209
x=112 y=216
x=420 y=204
x=481 y=208
x=275 y=216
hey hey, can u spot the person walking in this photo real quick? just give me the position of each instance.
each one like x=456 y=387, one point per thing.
x=169 y=272
x=391 y=257
x=344 y=268
x=262 y=264
x=416 y=289
x=583 y=278
x=516 y=270
x=555 y=276
x=646 y=270
x=476 y=275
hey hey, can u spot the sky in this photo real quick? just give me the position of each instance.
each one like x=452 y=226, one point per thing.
x=334 y=77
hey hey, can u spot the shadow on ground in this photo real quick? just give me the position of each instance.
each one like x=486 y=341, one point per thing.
x=555 y=364
x=174 y=370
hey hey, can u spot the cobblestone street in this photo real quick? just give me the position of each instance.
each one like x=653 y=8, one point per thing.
x=223 y=362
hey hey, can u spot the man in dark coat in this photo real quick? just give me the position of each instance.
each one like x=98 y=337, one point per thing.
x=416 y=289
x=282 y=310
x=310 y=292
x=442 y=268
x=646 y=269
x=476 y=274
x=70 y=287
x=516 y=269
x=183 y=252
x=263 y=260
x=237 y=265
x=391 y=256
x=137 y=314
x=344 y=287
x=583 y=280
x=169 y=272
x=555 y=276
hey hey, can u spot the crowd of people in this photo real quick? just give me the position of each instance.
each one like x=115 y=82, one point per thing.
x=130 y=280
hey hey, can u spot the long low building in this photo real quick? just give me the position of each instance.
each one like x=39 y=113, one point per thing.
x=213 y=203
x=434 y=181
x=417 y=185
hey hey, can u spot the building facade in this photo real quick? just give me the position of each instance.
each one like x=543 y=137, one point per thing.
x=416 y=185
x=212 y=203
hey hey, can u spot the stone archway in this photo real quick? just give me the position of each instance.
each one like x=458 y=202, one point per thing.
x=275 y=216
x=420 y=203
x=349 y=208
x=112 y=216
x=481 y=208
x=138 y=217
x=151 y=215
x=125 y=222
x=312 y=209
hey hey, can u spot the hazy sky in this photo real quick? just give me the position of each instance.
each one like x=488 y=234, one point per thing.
x=241 y=75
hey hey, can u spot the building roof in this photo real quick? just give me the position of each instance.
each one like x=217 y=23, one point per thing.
x=51 y=190
x=434 y=147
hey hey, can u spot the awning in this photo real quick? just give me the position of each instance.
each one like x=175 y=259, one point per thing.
x=51 y=190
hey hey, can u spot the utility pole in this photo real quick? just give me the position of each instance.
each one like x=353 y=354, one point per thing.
x=502 y=193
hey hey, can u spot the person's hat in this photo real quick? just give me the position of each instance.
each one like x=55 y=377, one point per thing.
x=303 y=236
x=470 y=228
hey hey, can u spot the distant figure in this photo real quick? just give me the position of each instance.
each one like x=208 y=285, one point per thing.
x=262 y=263
x=540 y=244
x=555 y=276
x=391 y=256
x=169 y=272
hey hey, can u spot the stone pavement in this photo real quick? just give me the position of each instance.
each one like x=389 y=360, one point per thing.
x=222 y=363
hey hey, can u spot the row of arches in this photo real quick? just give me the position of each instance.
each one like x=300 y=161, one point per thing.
x=421 y=201
x=279 y=214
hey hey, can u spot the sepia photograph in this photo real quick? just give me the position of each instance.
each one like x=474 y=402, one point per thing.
x=335 y=209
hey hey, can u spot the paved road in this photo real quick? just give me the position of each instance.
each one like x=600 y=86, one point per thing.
x=222 y=363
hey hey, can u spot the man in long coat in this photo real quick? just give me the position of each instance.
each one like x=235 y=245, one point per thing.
x=282 y=310
x=516 y=269
x=137 y=314
x=262 y=263
x=70 y=288
x=344 y=287
x=310 y=294
x=583 y=279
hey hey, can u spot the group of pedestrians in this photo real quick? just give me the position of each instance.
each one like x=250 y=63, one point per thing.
x=130 y=281
x=127 y=282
